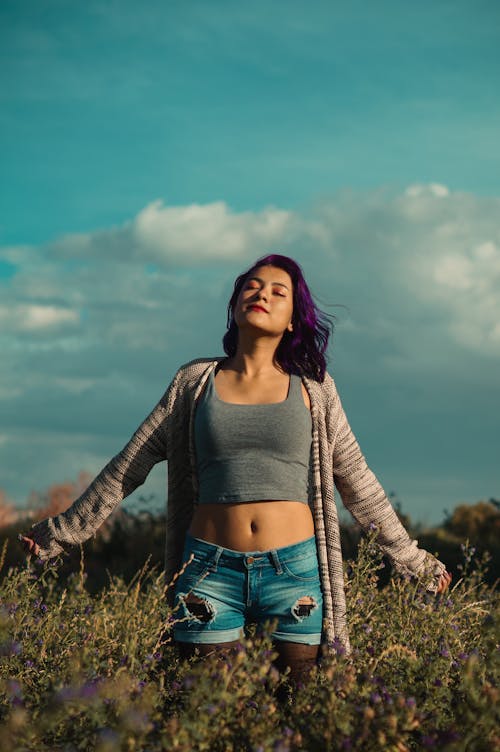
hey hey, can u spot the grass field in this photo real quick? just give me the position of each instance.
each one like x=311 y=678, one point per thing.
x=99 y=672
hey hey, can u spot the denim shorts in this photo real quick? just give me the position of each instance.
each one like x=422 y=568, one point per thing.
x=221 y=590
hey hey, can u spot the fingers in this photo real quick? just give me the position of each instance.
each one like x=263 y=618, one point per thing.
x=29 y=544
x=444 y=582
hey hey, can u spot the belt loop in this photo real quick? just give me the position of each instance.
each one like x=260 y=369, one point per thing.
x=276 y=561
x=217 y=555
x=215 y=561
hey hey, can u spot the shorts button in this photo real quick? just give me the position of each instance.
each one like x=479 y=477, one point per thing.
x=250 y=559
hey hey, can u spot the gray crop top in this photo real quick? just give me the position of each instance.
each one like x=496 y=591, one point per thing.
x=252 y=452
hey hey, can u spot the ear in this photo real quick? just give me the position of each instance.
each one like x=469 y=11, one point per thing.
x=290 y=327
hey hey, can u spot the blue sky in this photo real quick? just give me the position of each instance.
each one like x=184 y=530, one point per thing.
x=151 y=152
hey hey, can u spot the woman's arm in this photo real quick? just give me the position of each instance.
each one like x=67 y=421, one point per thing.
x=366 y=500
x=122 y=475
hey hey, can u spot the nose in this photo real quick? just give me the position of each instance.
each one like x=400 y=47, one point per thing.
x=263 y=293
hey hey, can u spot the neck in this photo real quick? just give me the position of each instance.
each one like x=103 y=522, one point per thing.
x=255 y=356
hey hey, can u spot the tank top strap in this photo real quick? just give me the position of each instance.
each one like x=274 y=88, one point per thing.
x=295 y=387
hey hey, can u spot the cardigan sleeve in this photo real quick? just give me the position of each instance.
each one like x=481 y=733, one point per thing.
x=366 y=500
x=122 y=475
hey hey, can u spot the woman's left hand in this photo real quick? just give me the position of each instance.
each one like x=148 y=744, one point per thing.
x=443 y=583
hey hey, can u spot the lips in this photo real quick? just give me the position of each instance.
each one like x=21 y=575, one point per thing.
x=257 y=308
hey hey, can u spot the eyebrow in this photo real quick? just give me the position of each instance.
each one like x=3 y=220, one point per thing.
x=259 y=279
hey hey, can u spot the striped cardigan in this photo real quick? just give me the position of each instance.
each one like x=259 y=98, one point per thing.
x=336 y=459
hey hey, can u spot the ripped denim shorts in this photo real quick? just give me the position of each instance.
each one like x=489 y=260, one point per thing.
x=221 y=590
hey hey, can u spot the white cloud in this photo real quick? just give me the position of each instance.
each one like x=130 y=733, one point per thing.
x=436 y=190
x=209 y=232
x=33 y=317
x=182 y=235
x=457 y=272
x=454 y=272
x=427 y=246
x=75 y=385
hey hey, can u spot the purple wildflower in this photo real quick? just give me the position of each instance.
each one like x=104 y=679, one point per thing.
x=107 y=735
x=88 y=690
x=448 y=736
x=280 y=746
x=188 y=682
x=428 y=741
x=66 y=693
x=338 y=647
x=14 y=688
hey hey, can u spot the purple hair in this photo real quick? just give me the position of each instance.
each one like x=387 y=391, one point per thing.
x=301 y=351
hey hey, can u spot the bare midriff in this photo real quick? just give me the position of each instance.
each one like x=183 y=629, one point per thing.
x=253 y=525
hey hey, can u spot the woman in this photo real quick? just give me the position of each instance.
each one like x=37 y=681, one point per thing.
x=255 y=443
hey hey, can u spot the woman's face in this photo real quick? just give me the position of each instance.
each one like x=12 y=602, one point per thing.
x=265 y=302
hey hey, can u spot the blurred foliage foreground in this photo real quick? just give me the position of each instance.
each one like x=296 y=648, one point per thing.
x=83 y=671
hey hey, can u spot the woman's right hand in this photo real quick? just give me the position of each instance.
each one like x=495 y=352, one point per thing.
x=443 y=583
x=29 y=545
